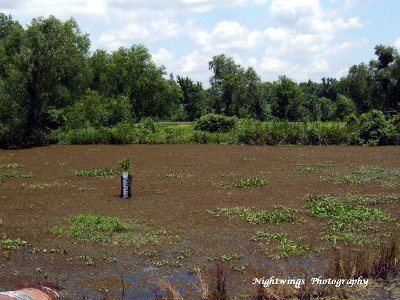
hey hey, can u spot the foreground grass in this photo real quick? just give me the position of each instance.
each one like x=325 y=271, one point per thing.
x=387 y=177
x=284 y=247
x=280 y=214
x=111 y=230
x=97 y=173
x=328 y=207
x=12 y=244
x=246 y=183
x=349 y=220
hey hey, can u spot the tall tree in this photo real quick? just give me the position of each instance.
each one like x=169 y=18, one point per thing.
x=193 y=98
x=288 y=99
x=223 y=82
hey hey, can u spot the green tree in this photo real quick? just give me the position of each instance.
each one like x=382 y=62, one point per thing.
x=344 y=107
x=383 y=84
x=287 y=102
x=194 y=99
x=45 y=68
x=357 y=85
x=327 y=109
x=135 y=76
x=223 y=82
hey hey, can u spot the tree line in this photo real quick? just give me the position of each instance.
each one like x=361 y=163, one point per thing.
x=50 y=80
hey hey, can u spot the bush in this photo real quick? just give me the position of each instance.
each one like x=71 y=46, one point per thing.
x=88 y=135
x=147 y=124
x=395 y=121
x=251 y=132
x=374 y=129
x=215 y=123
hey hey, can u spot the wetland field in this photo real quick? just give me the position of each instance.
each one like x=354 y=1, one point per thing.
x=244 y=212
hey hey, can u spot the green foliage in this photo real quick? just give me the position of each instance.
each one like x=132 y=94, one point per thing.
x=83 y=136
x=284 y=246
x=344 y=107
x=46 y=69
x=263 y=235
x=125 y=165
x=374 y=129
x=246 y=183
x=52 y=89
x=194 y=98
x=229 y=257
x=287 y=247
x=280 y=214
x=12 y=244
x=104 y=229
x=309 y=168
x=215 y=123
x=100 y=173
x=327 y=207
x=47 y=185
x=365 y=173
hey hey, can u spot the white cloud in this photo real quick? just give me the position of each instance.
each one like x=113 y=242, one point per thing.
x=173 y=5
x=293 y=12
x=319 y=65
x=226 y=35
x=397 y=43
x=342 y=72
x=163 y=57
x=309 y=15
x=192 y=63
x=154 y=31
x=92 y=9
x=274 y=65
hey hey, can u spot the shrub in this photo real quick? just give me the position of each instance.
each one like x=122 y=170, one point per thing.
x=125 y=133
x=125 y=165
x=147 y=124
x=374 y=129
x=215 y=123
x=87 y=135
x=395 y=121
x=351 y=120
x=250 y=132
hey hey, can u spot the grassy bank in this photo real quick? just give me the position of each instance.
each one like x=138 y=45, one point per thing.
x=245 y=132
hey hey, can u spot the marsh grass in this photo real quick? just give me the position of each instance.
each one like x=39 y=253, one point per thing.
x=47 y=185
x=27 y=175
x=225 y=257
x=5 y=175
x=111 y=230
x=283 y=246
x=176 y=175
x=12 y=244
x=343 y=263
x=329 y=207
x=375 y=262
x=97 y=173
x=280 y=214
x=304 y=168
x=369 y=199
x=11 y=166
x=350 y=221
x=246 y=131
x=366 y=173
x=246 y=183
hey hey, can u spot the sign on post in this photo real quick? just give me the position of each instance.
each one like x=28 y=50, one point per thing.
x=126 y=185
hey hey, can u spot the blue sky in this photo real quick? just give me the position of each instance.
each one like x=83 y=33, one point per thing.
x=304 y=39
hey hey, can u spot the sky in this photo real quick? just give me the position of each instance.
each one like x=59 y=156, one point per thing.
x=303 y=39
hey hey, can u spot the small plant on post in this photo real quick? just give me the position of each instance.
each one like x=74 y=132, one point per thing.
x=125 y=166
